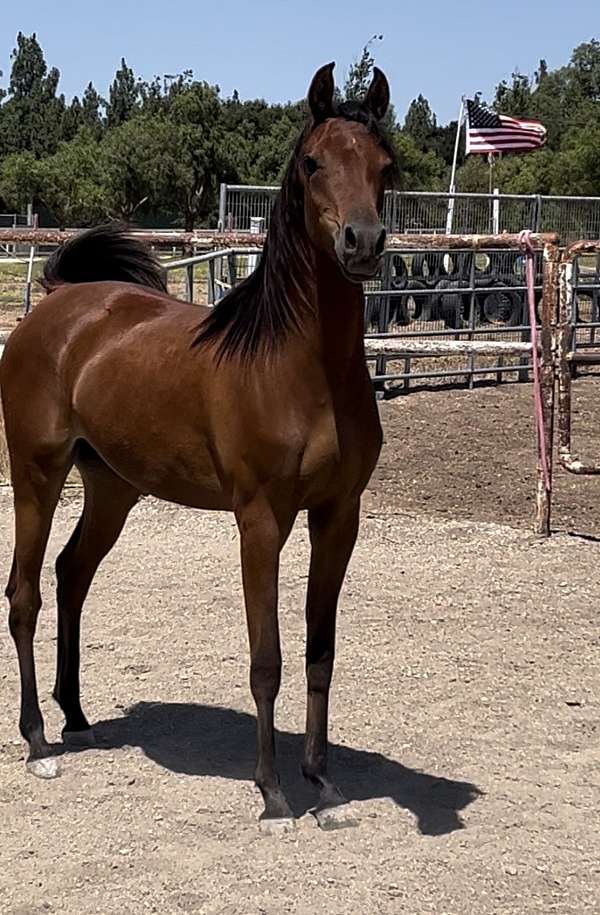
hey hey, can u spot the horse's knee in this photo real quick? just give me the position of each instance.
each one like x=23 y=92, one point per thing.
x=265 y=680
x=12 y=580
x=25 y=605
x=319 y=672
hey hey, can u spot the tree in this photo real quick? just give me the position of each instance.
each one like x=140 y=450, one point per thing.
x=133 y=165
x=123 y=96
x=19 y=179
x=420 y=122
x=576 y=168
x=196 y=159
x=541 y=73
x=31 y=116
x=91 y=117
x=72 y=120
x=359 y=74
x=418 y=170
x=71 y=182
x=514 y=98
x=358 y=81
x=585 y=62
x=272 y=152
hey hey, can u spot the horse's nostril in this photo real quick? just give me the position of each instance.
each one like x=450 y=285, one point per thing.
x=350 y=237
x=380 y=243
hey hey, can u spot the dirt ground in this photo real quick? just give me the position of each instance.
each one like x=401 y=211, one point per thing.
x=465 y=705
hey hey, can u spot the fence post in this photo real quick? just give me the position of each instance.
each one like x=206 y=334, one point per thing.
x=222 y=205
x=210 y=292
x=496 y=212
x=189 y=282
x=28 y=282
x=257 y=225
x=548 y=316
x=472 y=316
x=537 y=216
x=231 y=269
x=383 y=321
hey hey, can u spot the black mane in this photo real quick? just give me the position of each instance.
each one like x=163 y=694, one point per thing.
x=260 y=312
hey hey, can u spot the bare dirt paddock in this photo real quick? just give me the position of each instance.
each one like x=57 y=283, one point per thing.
x=465 y=704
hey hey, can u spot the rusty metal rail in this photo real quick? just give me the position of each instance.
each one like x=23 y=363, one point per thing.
x=208 y=239
x=402 y=347
x=566 y=357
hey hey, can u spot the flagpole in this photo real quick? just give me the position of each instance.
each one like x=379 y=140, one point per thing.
x=452 y=189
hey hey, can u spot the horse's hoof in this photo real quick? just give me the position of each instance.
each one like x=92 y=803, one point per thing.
x=341 y=817
x=277 y=826
x=79 y=740
x=47 y=767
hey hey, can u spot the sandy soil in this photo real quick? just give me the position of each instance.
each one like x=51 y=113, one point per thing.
x=464 y=716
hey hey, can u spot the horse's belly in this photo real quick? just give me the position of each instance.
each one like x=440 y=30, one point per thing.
x=170 y=462
x=166 y=470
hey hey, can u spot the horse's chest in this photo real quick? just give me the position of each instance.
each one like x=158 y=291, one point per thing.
x=337 y=458
x=323 y=448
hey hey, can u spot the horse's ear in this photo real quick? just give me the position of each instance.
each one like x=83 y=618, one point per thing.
x=377 y=100
x=320 y=94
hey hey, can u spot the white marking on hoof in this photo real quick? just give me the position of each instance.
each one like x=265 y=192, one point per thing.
x=277 y=826
x=342 y=817
x=79 y=739
x=48 y=767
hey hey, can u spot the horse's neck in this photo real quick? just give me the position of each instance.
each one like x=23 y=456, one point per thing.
x=340 y=318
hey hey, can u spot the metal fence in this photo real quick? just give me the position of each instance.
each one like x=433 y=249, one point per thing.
x=13 y=221
x=425 y=294
x=428 y=212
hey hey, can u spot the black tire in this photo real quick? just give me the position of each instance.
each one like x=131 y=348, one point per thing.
x=372 y=313
x=418 y=265
x=460 y=268
x=502 y=307
x=453 y=307
x=428 y=267
x=410 y=308
x=400 y=275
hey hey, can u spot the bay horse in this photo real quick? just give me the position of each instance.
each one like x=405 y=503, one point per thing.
x=261 y=406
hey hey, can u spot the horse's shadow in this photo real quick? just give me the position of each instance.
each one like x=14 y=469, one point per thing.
x=214 y=741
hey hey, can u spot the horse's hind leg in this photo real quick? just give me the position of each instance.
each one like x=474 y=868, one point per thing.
x=108 y=501
x=333 y=533
x=36 y=485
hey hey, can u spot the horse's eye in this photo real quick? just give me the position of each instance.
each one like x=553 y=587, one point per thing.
x=310 y=166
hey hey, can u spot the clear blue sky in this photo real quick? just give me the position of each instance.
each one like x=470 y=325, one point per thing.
x=270 y=48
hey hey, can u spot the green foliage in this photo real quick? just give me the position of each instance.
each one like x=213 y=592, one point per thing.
x=19 y=179
x=577 y=165
x=123 y=96
x=420 y=122
x=91 y=117
x=157 y=150
x=71 y=182
x=359 y=74
x=31 y=116
x=132 y=165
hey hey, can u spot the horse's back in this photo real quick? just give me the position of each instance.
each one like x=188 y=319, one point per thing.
x=73 y=329
x=94 y=311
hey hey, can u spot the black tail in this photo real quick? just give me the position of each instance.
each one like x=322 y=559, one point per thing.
x=103 y=253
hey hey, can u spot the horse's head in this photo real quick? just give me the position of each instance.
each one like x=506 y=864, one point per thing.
x=344 y=164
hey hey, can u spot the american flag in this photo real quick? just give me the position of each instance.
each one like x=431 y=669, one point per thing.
x=488 y=132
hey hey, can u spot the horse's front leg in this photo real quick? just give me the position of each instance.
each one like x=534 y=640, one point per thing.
x=333 y=531
x=262 y=536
